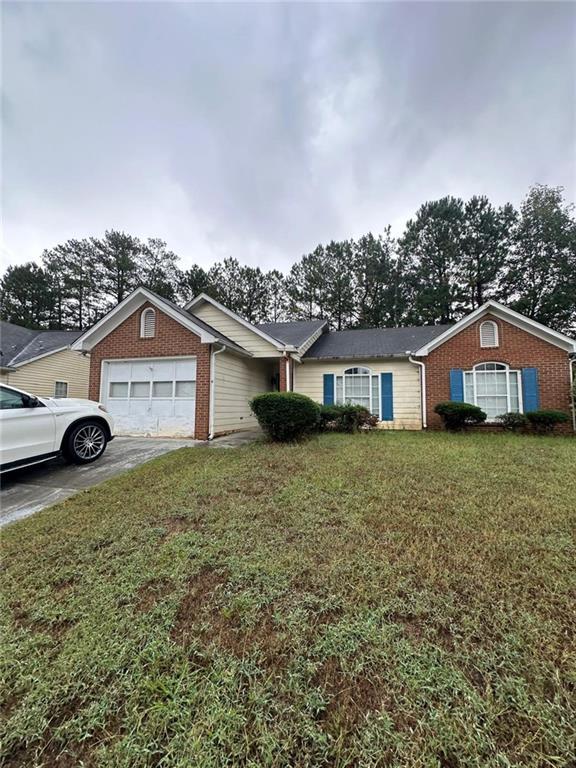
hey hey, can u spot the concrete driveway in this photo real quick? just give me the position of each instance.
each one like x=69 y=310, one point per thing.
x=26 y=491
x=29 y=490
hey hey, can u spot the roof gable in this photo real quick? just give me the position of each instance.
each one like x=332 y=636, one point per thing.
x=503 y=313
x=137 y=299
x=197 y=302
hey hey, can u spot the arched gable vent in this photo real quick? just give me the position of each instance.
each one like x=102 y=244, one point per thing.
x=488 y=334
x=148 y=323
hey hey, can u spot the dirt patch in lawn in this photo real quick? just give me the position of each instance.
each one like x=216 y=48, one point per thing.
x=350 y=698
x=56 y=629
x=179 y=524
x=201 y=617
x=200 y=591
x=151 y=592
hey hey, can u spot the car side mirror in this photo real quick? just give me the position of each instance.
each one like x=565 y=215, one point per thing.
x=30 y=401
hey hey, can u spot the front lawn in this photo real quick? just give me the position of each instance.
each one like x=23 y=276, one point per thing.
x=390 y=599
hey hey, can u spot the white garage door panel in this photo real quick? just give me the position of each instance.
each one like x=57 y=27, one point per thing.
x=141 y=408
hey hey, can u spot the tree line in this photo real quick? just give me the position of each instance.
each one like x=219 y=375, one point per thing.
x=452 y=256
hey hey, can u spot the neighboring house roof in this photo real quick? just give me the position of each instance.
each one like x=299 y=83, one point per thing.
x=22 y=345
x=295 y=333
x=373 y=342
x=138 y=298
x=495 y=309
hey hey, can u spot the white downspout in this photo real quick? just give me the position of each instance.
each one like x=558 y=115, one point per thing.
x=422 y=388
x=571 y=363
x=212 y=390
x=288 y=389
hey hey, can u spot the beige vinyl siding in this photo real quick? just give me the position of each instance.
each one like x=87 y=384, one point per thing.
x=309 y=380
x=234 y=330
x=39 y=376
x=238 y=379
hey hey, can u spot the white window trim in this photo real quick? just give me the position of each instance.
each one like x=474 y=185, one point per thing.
x=143 y=314
x=508 y=371
x=61 y=381
x=370 y=373
x=496 y=334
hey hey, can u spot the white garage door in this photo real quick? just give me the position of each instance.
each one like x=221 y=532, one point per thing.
x=151 y=396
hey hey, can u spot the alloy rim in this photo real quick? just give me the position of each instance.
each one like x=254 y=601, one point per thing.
x=89 y=442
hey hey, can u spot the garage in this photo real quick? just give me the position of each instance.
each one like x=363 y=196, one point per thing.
x=152 y=396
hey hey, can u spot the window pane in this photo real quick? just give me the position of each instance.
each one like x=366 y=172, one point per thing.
x=60 y=389
x=514 y=393
x=162 y=389
x=185 y=388
x=375 y=396
x=118 y=389
x=140 y=389
x=493 y=406
x=339 y=395
x=469 y=388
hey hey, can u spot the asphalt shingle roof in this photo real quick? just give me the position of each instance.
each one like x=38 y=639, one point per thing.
x=373 y=342
x=295 y=333
x=22 y=344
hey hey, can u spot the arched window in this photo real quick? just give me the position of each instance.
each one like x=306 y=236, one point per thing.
x=358 y=386
x=488 y=334
x=495 y=388
x=148 y=324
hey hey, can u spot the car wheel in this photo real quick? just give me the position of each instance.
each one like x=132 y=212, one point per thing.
x=86 y=442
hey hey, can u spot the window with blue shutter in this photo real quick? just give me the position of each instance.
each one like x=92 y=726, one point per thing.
x=328 y=389
x=530 y=393
x=457 y=385
x=387 y=396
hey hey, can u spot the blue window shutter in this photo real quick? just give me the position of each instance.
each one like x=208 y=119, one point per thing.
x=457 y=385
x=530 y=393
x=328 y=389
x=387 y=397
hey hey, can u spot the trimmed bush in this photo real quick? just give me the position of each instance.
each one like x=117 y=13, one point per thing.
x=544 y=422
x=346 y=418
x=513 y=422
x=458 y=416
x=286 y=416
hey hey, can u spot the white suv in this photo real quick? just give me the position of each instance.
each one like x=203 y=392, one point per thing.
x=34 y=429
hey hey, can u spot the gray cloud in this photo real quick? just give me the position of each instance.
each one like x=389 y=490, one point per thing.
x=259 y=130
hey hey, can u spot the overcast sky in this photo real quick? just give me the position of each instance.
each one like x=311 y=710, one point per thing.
x=259 y=130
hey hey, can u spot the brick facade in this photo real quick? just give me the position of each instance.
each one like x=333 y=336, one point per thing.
x=171 y=340
x=517 y=348
x=285 y=385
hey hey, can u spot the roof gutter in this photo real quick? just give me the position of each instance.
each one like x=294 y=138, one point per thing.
x=422 y=367
x=399 y=356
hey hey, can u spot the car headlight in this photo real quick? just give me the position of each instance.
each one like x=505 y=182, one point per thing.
x=101 y=408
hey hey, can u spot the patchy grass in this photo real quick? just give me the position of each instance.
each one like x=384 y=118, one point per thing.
x=391 y=599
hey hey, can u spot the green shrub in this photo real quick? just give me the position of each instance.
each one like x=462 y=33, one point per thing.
x=286 y=416
x=458 y=416
x=346 y=418
x=513 y=422
x=544 y=422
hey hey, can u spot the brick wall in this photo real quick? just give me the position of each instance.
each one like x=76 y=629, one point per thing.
x=282 y=371
x=517 y=348
x=171 y=340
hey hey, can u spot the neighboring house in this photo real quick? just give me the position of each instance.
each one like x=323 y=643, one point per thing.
x=166 y=370
x=42 y=363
